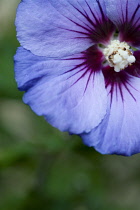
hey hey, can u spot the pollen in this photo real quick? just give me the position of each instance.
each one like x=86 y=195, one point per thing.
x=119 y=55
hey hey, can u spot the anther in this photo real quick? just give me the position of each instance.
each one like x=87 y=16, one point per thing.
x=118 y=55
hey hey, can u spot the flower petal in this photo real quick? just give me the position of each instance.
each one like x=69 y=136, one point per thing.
x=61 y=28
x=69 y=93
x=125 y=14
x=119 y=132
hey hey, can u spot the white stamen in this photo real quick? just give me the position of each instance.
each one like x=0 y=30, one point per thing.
x=131 y=59
x=117 y=68
x=118 y=55
x=117 y=58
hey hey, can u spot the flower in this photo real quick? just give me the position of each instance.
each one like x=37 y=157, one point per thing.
x=79 y=65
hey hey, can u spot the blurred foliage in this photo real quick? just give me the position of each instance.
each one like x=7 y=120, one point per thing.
x=44 y=169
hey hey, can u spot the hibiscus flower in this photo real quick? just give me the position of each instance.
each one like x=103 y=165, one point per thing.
x=79 y=65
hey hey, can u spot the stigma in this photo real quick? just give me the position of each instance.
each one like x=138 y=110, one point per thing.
x=118 y=55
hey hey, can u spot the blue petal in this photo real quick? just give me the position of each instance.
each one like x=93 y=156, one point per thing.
x=61 y=28
x=68 y=93
x=125 y=14
x=119 y=132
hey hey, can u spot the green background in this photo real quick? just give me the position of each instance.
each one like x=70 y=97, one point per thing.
x=42 y=168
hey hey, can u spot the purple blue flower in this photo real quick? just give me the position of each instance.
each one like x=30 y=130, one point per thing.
x=79 y=65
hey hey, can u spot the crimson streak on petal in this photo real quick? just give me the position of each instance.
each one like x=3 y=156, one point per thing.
x=98 y=29
x=125 y=14
x=91 y=61
x=116 y=82
x=130 y=29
